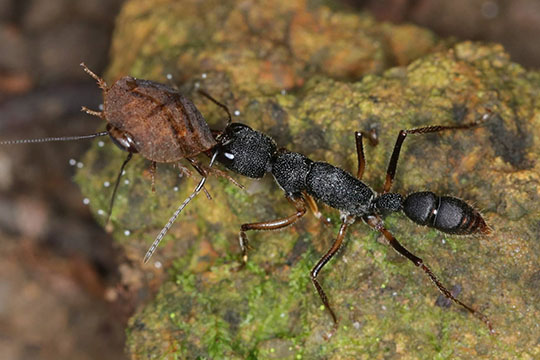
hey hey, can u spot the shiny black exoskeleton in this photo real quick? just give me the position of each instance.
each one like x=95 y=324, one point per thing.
x=251 y=153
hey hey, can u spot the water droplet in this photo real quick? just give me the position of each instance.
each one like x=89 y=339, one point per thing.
x=100 y=144
x=72 y=162
x=106 y=184
x=236 y=113
x=204 y=75
x=100 y=107
x=127 y=232
x=80 y=165
x=126 y=181
x=86 y=201
x=489 y=9
x=101 y=212
x=169 y=76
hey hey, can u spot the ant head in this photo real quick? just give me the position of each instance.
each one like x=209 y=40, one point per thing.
x=122 y=139
x=245 y=151
x=388 y=203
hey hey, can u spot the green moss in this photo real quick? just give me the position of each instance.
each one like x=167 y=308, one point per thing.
x=205 y=309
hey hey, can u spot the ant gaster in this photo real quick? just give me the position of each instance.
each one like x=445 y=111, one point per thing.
x=252 y=153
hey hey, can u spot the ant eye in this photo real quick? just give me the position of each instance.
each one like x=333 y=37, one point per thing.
x=236 y=128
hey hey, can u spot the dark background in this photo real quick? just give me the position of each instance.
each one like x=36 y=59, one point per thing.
x=60 y=289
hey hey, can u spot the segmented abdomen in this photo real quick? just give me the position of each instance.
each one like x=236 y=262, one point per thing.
x=444 y=213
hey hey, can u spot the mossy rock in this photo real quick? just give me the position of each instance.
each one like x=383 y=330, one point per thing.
x=386 y=306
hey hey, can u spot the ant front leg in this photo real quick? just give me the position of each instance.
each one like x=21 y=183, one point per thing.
x=399 y=142
x=300 y=206
x=323 y=261
x=376 y=224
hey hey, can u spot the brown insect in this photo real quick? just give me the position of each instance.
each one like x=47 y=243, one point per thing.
x=153 y=120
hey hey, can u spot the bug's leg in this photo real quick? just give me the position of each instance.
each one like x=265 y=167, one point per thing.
x=300 y=206
x=101 y=83
x=203 y=172
x=202 y=169
x=113 y=197
x=320 y=264
x=392 y=165
x=376 y=224
x=315 y=209
x=153 y=168
x=184 y=171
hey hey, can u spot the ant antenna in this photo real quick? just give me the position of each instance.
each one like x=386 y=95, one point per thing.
x=53 y=139
x=223 y=106
x=171 y=221
x=116 y=186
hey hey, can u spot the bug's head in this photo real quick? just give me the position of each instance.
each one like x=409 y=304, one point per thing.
x=122 y=139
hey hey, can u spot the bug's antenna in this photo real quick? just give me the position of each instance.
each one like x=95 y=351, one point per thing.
x=53 y=139
x=171 y=221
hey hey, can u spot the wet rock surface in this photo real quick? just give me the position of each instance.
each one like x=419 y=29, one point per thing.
x=311 y=99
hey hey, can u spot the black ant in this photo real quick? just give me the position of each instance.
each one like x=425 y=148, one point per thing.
x=251 y=153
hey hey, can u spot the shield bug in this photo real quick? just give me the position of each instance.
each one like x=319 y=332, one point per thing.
x=155 y=121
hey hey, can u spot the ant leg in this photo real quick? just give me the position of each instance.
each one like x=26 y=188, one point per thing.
x=373 y=140
x=315 y=209
x=320 y=264
x=360 y=151
x=300 y=206
x=376 y=224
x=372 y=136
x=390 y=173
x=101 y=83
x=221 y=105
x=113 y=197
